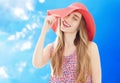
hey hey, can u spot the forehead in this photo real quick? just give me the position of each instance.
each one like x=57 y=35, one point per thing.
x=77 y=13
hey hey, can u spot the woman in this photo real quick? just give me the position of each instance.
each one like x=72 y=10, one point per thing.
x=74 y=57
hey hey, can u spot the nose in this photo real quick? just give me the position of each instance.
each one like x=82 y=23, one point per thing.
x=67 y=18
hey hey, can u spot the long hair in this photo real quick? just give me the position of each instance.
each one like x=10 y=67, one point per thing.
x=83 y=67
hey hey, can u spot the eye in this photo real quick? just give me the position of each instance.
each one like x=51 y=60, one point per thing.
x=74 y=18
x=68 y=15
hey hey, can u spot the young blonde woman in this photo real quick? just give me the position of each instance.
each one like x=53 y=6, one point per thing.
x=74 y=57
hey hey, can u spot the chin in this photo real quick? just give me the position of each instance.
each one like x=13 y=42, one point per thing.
x=66 y=30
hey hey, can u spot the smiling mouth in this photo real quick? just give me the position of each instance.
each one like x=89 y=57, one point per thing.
x=65 y=24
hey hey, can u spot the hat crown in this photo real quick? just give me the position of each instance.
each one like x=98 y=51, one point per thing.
x=78 y=5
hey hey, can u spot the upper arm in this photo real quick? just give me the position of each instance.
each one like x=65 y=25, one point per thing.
x=46 y=54
x=95 y=62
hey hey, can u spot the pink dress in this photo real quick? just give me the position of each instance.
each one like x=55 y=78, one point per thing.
x=68 y=70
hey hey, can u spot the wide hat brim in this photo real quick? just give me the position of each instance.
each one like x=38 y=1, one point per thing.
x=90 y=25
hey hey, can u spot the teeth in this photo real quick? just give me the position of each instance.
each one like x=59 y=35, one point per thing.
x=66 y=24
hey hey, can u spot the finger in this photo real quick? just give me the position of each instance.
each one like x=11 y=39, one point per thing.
x=55 y=15
x=53 y=19
x=50 y=20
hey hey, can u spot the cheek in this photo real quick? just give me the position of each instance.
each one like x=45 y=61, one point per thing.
x=76 y=25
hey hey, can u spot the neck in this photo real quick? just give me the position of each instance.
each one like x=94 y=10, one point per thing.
x=69 y=39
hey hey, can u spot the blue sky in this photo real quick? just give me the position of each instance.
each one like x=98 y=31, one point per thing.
x=20 y=26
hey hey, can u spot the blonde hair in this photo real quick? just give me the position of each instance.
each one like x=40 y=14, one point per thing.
x=83 y=60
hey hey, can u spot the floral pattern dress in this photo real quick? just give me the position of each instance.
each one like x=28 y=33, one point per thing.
x=68 y=70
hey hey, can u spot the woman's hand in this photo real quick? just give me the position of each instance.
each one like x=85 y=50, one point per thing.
x=49 y=21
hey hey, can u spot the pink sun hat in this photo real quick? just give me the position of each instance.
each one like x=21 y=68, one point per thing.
x=90 y=25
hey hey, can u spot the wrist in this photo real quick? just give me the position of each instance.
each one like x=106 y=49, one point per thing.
x=46 y=28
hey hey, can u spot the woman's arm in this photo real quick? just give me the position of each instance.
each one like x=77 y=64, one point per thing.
x=41 y=56
x=95 y=63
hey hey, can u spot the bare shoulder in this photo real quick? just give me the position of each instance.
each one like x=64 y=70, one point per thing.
x=92 y=45
x=93 y=50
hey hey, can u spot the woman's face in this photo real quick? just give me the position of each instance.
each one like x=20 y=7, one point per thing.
x=71 y=22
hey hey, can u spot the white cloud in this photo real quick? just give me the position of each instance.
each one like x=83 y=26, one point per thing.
x=22 y=34
x=34 y=25
x=11 y=37
x=41 y=1
x=31 y=70
x=18 y=46
x=3 y=73
x=41 y=14
x=4 y=3
x=24 y=30
x=29 y=6
x=21 y=66
x=26 y=46
x=45 y=77
x=16 y=36
x=28 y=27
x=31 y=26
x=18 y=8
x=20 y=12
x=30 y=37
x=3 y=33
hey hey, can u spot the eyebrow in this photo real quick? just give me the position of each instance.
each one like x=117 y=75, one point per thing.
x=76 y=16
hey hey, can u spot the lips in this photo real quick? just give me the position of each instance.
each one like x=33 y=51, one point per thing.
x=65 y=24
